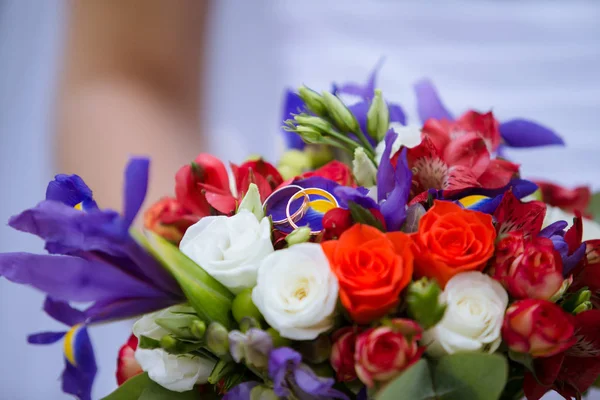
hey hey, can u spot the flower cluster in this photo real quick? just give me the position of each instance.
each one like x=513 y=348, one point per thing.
x=373 y=249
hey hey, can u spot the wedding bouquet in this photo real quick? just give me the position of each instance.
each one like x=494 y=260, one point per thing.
x=377 y=260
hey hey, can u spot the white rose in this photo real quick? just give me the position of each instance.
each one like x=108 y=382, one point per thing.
x=475 y=311
x=230 y=249
x=408 y=136
x=178 y=373
x=296 y=291
x=591 y=229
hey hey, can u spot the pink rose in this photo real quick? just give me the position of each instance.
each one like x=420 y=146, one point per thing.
x=528 y=268
x=383 y=353
x=538 y=327
x=342 y=354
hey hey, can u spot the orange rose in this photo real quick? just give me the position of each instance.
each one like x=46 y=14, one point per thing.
x=451 y=240
x=372 y=268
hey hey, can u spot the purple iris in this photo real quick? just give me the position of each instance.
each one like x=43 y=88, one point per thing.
x=556 y=233
x=366 y=92
x=393 y=185
x=515 y=133
x=289 y=374
x=94 y=260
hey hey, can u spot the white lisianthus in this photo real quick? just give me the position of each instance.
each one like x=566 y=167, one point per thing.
x=296 y=291
x=408 y=136
x=591 y=229
x=230 y=249
x=363 y=169
x=178 y=373
x=475 y=310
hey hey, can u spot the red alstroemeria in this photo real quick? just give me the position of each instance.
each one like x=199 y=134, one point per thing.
x=127 y=365
x=572 y=372
x=571 y=200
x=204 y=188
x=169 y=219
x=587 y=273
x=455 y=155
x=193 y=182
x=513 y=215
x=335 y=171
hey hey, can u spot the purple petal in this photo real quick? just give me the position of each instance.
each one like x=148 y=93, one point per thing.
x=78 y=379
x=71 y=278
x=293 y=105
x=122 y=308
x=281 y=361
x=571 y=261
x=365 y=91
x=63 y=312
x=70 y=231
x=360 y=111
x=45 y=337
x=393 y=207
x=136 y=186
x=429 y=104
x=554 y=229
x=385 y=174
x=241 y=391
x=357 y=195
x=70 y=190
x=520 y=187
x=397 y=113
x=524 y=133
x=315 y=386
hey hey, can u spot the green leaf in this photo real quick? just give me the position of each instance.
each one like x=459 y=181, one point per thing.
x=211 y=300
x=363 y=216
x=473 y=376
x=414 y=383
x=141 y=387
x=594 y=206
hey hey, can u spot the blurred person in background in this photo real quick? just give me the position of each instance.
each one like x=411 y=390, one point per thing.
x=173 y=78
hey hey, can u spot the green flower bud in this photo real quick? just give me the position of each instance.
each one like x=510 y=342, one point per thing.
x=254 y=157
x=168 y=342
x=309 y=135
x=295 y=159
x=298 y=235
x=574 y=300
x=423 y=302
x=343 y=118
x=288 y=172
x=585 y=306
x=247 y=323
x=378 y=117
x=217 y=339
x=363 y=169
x=313 y=101
x=315 y=351
x=243 y=306
x=178 y=324
x=251 y=202
x=198 y=329
x=316 y=123
x=278 y=341
x=220 y=371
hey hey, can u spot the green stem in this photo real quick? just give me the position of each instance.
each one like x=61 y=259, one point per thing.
x=365 y=142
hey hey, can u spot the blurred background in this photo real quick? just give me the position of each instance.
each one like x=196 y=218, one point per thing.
x=84 y=84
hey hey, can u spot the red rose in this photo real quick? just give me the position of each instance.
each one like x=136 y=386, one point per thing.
x=335 y=171
x=202 y=184
x=169 y=219
x=383 y=353
x=342 y=354
x=528 y=268
x=127 y=366
x=538 y=327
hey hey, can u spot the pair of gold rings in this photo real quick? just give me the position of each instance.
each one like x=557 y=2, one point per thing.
x=321 y=201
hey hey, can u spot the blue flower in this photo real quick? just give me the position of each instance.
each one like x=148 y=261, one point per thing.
x=93 y=259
